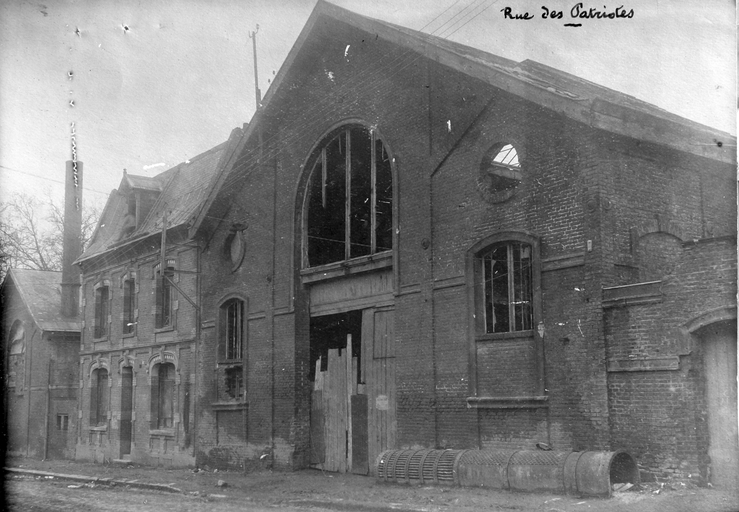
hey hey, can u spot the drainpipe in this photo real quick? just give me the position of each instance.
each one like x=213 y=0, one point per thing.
x=28 y=392
x=198 y=337
x=48 y=407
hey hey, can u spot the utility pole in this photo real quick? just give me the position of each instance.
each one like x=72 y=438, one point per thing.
x=163 y=255
x=257 y=92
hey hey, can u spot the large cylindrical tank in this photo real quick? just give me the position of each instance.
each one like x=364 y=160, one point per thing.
x=581 y=473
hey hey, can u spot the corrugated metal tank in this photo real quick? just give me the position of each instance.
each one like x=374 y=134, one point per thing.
x=581 y=473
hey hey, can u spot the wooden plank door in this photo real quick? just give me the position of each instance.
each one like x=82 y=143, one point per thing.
x=378 y=371
x=331 y=413
x=721 y=394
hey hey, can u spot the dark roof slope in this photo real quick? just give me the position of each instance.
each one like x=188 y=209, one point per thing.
x=574 y=97
x=40 y=291
x=182 y=188
x=579 y=99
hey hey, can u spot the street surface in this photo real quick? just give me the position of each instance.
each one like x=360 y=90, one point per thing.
x=24 y=494
x=209 y=489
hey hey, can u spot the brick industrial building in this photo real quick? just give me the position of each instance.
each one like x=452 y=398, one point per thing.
x=41 y=344
x=41 y=356
x=418 y=244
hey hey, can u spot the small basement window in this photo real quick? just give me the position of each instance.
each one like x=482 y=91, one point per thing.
x=62 y=421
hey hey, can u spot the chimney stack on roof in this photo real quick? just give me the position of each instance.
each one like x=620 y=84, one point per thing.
x=72 y=248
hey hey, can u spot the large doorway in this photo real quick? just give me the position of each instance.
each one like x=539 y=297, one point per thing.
x=126 y=407
x=353 y=416
x=720 y=365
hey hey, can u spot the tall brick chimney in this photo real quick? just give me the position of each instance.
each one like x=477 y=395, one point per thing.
x=72 y=244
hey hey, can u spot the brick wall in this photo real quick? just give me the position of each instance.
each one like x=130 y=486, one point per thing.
x=141 y=349
x=659 y=415
x=582 y=193
x=46 y=386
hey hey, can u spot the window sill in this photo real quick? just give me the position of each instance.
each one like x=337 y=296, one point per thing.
x=229 y=406
x=167 y=328
x=231 y=363
x=99 y=429
x=101 y=339
x=168 y=432
x=508 y=402
x=347 y=267
x=496 y=336
x=128 y=335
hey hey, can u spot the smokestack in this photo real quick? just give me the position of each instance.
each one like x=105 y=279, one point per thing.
x=72 y=239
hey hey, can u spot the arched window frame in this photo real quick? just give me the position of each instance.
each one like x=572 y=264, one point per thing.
x=231 y=373
x=130 y=312
x=381 y=256
x=166 y=302
x=226 y=353
x=476 y=300
x=164 y=406
x=102 y=299
x=16 y=361
x=100 y=382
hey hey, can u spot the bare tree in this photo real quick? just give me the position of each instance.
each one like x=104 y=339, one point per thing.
x=31 y=232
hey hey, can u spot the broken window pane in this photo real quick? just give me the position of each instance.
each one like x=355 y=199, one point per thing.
x=329 y=237
x=326 y=219
x=501 y=168
x=384 y=195
x=361 y=193
x=234 y=329
x=234 y=382
x=508 y=288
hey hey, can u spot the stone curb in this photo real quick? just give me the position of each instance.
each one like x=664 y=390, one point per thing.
x=93 y=479
x=357 y=506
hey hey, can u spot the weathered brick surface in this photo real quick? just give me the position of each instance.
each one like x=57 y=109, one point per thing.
x=141 y=351
x=45 y=383
x=605 y=211
x=660 y=416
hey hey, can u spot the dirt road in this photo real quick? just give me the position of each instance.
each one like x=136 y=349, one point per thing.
x=316 y=490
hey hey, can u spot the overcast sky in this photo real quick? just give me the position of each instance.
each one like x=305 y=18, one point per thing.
x=155 y=83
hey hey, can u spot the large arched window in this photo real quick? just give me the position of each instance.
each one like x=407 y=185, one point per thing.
x=16 y=349
x=350 y=198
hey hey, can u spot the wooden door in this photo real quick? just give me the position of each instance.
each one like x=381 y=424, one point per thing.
x=721 y=394
x=331 y=432
x=353 y=416
x=378 y=374
x=126 y=407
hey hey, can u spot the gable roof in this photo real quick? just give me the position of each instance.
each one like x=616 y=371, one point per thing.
x=40 y=291
x=182 y=190
x=584 y=101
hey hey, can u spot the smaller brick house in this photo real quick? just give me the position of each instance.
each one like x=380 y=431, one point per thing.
x=40 y=351
x=140 y=315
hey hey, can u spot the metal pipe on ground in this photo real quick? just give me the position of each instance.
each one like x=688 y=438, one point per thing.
x=588 y=473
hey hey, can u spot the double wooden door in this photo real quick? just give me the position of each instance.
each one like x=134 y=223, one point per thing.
x=353 y=414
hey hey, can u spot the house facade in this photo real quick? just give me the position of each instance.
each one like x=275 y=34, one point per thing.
x=139 y=313
x=421 y=245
